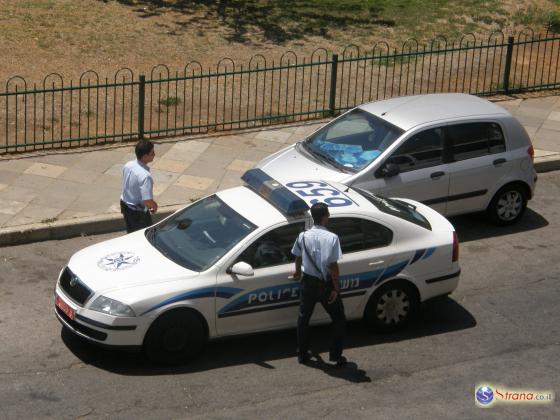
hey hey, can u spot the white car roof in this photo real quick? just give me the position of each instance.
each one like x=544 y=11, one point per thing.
x=409 y=111
x=263 y=213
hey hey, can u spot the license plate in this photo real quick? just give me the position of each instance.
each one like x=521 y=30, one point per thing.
x=63 y=306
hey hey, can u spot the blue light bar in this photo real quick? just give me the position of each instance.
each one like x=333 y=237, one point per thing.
x=274 y=192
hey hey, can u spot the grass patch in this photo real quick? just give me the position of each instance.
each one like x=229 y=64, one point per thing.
x=49 y=220
x=171 y=101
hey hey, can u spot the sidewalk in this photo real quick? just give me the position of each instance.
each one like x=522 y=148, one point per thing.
x=60 y=194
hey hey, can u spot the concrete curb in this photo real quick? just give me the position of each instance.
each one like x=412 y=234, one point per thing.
x=547 y=163
x=107 y=223
x=71 y=228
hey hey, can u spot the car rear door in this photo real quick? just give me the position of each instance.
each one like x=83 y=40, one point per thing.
x=423 y=174
x=367 y=249
x=479 y=162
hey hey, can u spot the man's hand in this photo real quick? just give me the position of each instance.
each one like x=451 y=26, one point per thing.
x=151 y=205
x=333 y=296
x=296 y=276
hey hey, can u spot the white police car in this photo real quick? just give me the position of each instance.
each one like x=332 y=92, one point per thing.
x=222 y=266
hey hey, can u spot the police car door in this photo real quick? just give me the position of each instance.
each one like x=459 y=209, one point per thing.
x=269 y=299
x=367 y=249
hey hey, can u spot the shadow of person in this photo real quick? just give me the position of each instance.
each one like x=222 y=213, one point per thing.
x=349 y=372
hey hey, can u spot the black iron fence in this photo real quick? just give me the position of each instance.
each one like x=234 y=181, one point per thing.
x=58 y=114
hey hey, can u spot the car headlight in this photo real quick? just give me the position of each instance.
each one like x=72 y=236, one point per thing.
x=111 y=307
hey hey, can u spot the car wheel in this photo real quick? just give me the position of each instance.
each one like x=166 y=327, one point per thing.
x=392 y=306
x=508 y=205
x=175 y=337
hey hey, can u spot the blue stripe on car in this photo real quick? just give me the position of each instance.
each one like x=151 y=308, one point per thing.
x=223 y=292
x=417 y=256
x=428 y=253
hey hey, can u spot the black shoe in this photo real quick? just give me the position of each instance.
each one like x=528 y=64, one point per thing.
x=304 y=358
x=340 y=362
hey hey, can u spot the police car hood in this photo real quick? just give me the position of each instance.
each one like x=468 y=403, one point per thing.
x=293 y=163
x=123 y=262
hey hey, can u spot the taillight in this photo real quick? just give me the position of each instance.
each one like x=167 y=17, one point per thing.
x=455 y=256
x=531 y=152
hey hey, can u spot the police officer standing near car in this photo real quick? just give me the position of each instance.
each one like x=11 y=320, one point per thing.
x=317 y=254
x=137 y=199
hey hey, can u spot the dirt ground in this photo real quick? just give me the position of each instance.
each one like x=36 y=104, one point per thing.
x=38 y=37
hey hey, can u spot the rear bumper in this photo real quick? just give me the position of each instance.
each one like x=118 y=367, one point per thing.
x=440 y=285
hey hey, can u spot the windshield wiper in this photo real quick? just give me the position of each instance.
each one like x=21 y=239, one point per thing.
x=328 y=159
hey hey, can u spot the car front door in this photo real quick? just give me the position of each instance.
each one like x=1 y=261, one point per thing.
x=421 y=175
x=269 y=298
x=480 y=161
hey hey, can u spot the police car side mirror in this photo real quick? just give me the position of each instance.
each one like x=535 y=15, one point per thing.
x=388 y=170
x=241 y=269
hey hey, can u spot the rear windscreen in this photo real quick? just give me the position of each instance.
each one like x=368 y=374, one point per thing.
x=396 y=208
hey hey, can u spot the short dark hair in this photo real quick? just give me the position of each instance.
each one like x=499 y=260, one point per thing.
x=143 y=147
x=318 y=211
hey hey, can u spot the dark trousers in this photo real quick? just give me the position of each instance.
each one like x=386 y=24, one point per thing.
x=315 y=290
x=135 y=219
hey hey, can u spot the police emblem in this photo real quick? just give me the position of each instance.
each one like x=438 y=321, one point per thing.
x=118 y=261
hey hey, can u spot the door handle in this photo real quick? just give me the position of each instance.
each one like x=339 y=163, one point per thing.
x=372 y=263
x=437 y=175
x=499 y=161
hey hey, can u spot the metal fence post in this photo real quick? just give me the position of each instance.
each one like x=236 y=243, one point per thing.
x=507 y=68
x=334 y=71
x=141 y=100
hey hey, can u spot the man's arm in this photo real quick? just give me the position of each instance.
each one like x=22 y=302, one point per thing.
x=297 y=274
x=146 y=189
x=333 y=268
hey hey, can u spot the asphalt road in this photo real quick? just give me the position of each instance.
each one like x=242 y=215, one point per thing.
x=500 y=327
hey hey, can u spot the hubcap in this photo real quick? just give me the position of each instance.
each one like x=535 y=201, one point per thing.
x=393 y=307
x=509 y=205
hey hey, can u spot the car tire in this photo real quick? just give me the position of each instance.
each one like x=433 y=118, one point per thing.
x=175 y=337
x=508 y=205
x=392 y=306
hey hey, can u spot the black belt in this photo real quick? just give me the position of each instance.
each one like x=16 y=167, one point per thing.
x=309 y=277
x=135 y=208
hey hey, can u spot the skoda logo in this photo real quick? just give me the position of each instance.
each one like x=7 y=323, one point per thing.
x=484 y=395
x=118 y=261
x=74 y=281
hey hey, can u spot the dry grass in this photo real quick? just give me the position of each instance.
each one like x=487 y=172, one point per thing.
x=38 y=37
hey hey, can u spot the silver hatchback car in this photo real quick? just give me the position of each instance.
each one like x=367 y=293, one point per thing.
x=455 y=152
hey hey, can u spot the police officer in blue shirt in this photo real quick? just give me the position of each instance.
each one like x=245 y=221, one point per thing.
x=137 y=199
x=317 y=254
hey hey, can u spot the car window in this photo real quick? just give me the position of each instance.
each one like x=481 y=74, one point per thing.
x=357 y=234
x=201 y=234
x=352 y=141
x=273 y=248
x=472 y=140
x=396 y=208
x=422 y=150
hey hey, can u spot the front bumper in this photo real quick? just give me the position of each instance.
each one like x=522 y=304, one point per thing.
x=99 y=328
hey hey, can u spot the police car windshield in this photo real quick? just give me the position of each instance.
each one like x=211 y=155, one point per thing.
x=198 y=236
x=352 y=141
x=396 y=208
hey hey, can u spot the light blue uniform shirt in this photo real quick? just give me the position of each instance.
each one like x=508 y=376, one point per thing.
x=324 y=247
x=137 y=184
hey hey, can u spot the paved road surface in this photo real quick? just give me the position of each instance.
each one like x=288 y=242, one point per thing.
x=500 y=327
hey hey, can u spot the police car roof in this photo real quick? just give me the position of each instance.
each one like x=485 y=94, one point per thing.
x=261 y=212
